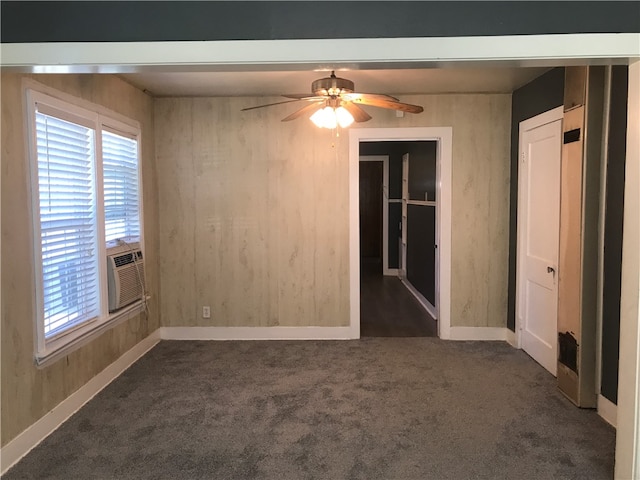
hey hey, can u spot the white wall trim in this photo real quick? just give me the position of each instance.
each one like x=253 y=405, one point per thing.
x=121 y=57
x=258 y=333
x=479 y=333
x=444 y=137
x=512 y=339
x=628 y=435
x=41 y=429
x=418 y=296
x=608 y=410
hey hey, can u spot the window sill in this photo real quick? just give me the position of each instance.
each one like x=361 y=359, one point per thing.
x=67 y=344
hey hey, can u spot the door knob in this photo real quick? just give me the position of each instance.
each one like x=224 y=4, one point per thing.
x=551 y=270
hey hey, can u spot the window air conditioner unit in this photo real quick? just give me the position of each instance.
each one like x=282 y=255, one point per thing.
x=125 y=272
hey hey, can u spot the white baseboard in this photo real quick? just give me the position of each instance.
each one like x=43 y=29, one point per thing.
x=36 y=433
x=423 y=301
x=512 y=338
x=390 y=272
x=608 y=410
x=479 y=333
x=258 y=333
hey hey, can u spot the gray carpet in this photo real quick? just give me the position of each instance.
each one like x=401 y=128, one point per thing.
x=377 y=408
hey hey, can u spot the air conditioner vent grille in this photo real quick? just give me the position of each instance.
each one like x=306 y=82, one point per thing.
x=126 y=278
x=127 y=258
x=130 y=284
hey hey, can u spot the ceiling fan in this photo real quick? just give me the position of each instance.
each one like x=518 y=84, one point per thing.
x=333 y=102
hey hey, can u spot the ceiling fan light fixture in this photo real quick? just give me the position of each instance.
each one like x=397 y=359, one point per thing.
x=343 y=117
x=324 y=118
x=329 y=117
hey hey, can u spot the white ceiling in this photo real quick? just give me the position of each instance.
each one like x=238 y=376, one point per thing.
x=395 y=81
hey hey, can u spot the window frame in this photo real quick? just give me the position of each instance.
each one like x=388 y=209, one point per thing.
x=98 y=118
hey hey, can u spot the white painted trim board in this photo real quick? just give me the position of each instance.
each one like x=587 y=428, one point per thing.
x=419 y=297
x=17 y=448
x=480 y=333
x=608 y=410
x=512 y=338
x=628 y=419
x=230 y=55
x=310 y=333
x=259 y=333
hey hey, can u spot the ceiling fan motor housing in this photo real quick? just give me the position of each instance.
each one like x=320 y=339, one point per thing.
x=332 y=86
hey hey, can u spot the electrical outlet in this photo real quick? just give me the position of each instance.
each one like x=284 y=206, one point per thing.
x=206 y=312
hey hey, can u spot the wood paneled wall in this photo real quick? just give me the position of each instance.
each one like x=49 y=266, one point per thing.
x=254 y=212
x=28 y=392
x=248 y=220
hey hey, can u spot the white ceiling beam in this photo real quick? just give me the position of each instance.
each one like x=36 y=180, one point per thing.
x=265 y=55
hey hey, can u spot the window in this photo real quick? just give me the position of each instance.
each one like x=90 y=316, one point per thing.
x=121 y=198
x=86 y=197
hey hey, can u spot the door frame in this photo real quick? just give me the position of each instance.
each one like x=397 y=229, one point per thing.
x=385 y=209
x=550 y=116
x=443 y=136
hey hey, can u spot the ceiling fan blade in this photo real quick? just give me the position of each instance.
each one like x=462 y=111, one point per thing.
x=269 y=105
x=373 y=96
x=394 y=105
x=356 y=112
x=304 y=110
x=303 y=96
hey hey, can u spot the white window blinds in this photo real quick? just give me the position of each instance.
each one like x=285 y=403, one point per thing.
x=121 y=196
x=68 y=227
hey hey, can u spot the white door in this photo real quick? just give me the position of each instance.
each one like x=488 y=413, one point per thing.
x=538 y=239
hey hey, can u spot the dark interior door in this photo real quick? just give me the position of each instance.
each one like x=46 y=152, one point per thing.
x=371 y=210
x=421 y=249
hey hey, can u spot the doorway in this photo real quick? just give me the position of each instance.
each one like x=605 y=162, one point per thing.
x=387 y=308
x=442 y=139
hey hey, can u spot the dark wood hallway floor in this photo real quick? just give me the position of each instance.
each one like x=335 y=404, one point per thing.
x=388 y=309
